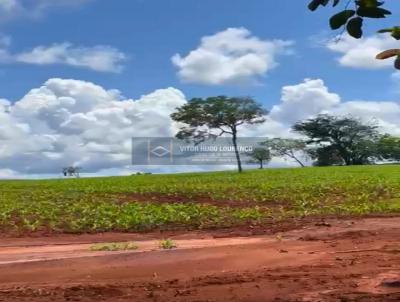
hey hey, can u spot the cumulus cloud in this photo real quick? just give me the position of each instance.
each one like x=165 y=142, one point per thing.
x=385 y=114
x=302 y=100
x=361 y=53
x=229 y=57
x=97 y=58
x=312 y=97
x=71 y=122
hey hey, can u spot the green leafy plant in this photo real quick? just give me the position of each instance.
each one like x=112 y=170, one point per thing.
x=114 y=246
x=195 y=200
x=167 y=244
x=352 y=19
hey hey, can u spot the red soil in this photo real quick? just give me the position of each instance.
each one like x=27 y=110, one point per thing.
x=339 y=260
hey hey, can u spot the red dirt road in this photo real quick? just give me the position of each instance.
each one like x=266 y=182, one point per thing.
x=342 y=260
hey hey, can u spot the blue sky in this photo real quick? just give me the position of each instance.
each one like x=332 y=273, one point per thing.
x=150 y=32
x=62 y=63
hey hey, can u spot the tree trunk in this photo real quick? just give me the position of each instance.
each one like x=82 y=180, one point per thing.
x=261 y=164
x=234 y=140
x=292 y=155
x=344 y=155
x=299 y=162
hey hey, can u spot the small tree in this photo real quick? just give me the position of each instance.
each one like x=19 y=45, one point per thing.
x=216 y=116
x=355 y=142
x=289 y=148
x=71 y=171
x=260 y=156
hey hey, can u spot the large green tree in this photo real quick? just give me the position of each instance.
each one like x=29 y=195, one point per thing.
x=352 y=140
x=217 y=116
x=352 y=16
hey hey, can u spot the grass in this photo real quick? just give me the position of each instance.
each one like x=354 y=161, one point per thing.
x=114 y=246
x=167 y=244
x=100 y=204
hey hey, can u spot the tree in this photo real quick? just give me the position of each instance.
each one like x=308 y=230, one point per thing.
x=354 y=141
x=71 y=171
x=216 y=116
x=287 y=148
x=352 y=17
x=325 y=156
x=389 y=148
x=260 y=156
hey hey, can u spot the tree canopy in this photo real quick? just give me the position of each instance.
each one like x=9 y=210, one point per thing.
x=217 y=116
x=389 y=148
x=260 y=155
x=71 y=171
x=349 y=139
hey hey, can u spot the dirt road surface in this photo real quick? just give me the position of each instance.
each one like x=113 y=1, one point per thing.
x=337 y=260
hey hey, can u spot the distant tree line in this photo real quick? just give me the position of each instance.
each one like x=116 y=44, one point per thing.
x=332 y=140
x=327 y=140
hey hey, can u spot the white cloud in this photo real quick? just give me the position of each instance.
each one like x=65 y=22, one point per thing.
x=312 y=97
x=302 y=100
x=11 y=9
x=71 y=122
x=385 y=114
x=98 y=58
x=9 y=174
x=361 y=53
x=230 y=57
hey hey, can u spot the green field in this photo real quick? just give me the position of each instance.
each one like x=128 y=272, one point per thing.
x=145 y=202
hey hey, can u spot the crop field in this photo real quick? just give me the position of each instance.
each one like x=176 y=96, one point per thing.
x=305 y=234
x=195 y=201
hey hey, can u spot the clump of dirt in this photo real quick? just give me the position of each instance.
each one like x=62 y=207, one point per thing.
x=100 y=292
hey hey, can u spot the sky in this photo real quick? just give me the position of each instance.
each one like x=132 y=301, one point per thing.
x=79 y=78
